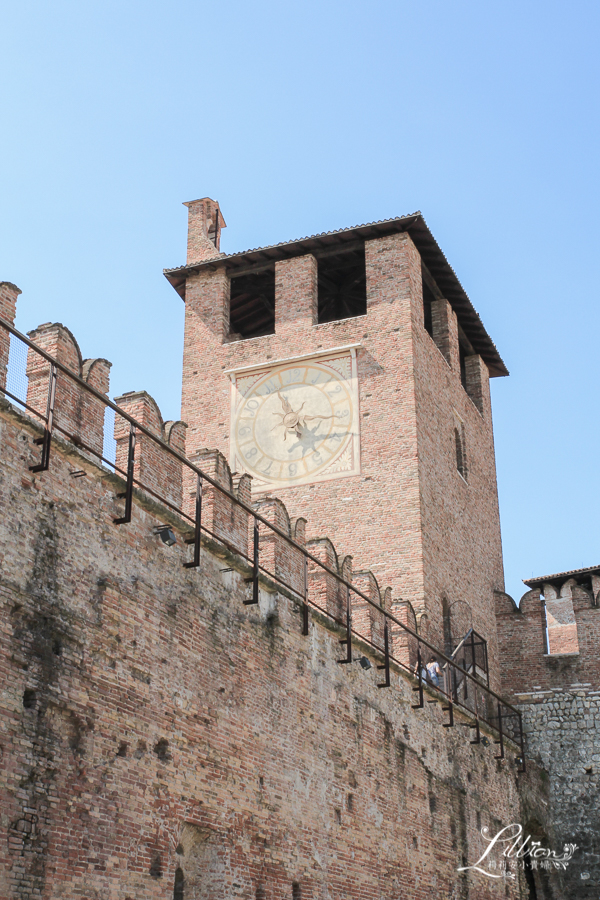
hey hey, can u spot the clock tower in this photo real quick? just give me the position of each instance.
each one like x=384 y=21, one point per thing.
x=348 y=374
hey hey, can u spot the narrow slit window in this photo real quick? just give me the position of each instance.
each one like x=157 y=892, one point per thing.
x=428 y=298
x=342 y=285
x=252 y=304
x=459 y=442
x=463 y=353
x=178 y=889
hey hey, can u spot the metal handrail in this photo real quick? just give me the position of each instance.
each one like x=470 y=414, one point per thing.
x=389 y=617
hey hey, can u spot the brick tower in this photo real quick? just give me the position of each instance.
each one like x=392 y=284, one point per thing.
x=348 y=373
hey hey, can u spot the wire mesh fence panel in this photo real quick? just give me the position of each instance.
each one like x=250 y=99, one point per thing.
x=109 y=444
x=16 y=371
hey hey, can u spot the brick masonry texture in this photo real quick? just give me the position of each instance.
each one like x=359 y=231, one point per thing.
x=424 y=531
x=151 y=721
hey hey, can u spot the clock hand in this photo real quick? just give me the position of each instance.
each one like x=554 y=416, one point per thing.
x=320 y=417
x=285 y=403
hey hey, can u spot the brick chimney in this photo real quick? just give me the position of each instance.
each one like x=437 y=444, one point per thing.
x=205 y=222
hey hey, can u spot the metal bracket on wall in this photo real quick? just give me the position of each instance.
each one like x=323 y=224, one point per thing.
x=348 y=639
x=450 y=710
x=197 y=539
x=128 y=493
x=386 y=664
x=45 y=441
x=420 y=704
x=500 y=734
x=305 y=615
x=255 y=568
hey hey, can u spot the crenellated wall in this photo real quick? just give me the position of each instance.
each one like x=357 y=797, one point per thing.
x=158 y=732
x=154 y=728
x=76 y=412
x=156 y=469
x=549 y=649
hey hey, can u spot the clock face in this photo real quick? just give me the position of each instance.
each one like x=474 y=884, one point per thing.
x=296 y=422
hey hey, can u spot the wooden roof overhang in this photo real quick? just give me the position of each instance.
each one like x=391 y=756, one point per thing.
x=581 y=576
x=345 y=239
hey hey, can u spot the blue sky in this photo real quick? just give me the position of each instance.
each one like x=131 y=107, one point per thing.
x=301 y=118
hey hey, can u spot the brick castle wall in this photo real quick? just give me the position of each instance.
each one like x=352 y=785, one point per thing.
x=155 y=729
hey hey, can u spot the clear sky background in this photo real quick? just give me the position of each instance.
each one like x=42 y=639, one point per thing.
x=305 y=117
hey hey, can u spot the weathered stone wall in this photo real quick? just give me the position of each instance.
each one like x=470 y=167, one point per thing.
x=562 y=729
x=559 y=697
x=160 y=739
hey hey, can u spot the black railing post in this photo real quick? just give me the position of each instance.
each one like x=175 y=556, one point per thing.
x=255 y=567
x=386 y=664
x=450 y=708
x=46 y=440
x=500 y=734
x=305 y=604
x=521 y=742
x=197 y=539
x=476 y=725
x=420 y=704
x=128 y=494
x=348 y=640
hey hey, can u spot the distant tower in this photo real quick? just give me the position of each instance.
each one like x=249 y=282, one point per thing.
x=348 y=373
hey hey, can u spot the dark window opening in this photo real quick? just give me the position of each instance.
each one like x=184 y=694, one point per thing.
x=252 y=304
x=461 y=459
x=179 y=886
x=260 y=892
x=447 y=627
x=428 y=298
x=29 y=699
x=342 y=285
x=161 y=748
x=296 y=891
x=463 y=353
x=156 y=866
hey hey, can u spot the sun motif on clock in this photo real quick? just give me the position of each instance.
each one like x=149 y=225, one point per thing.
x=296 y=422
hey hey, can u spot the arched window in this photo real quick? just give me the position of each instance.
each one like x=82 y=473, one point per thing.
x=179 y=886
